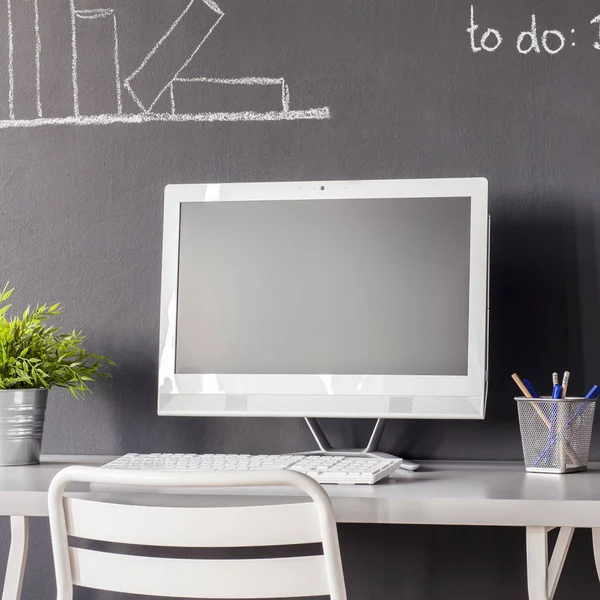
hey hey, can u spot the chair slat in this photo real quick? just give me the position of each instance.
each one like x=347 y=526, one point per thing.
x=213 y=527
x=188 y=578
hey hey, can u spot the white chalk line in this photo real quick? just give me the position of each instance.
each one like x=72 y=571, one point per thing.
x=172 y=94
x=214 y=6
x=231 y=81
x=596 y=21
x=38 y=60
x=132 y=93
x=187 y=62
x=11 y=73
x=117 y=66
x=94 y=13
x=74 y=59
x=292 y=115
x=157 y=46
x=285 y=95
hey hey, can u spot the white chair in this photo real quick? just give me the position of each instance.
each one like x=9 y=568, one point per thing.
x=220 y=526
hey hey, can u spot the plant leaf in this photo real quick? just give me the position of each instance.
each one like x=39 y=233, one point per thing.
x=33 y=354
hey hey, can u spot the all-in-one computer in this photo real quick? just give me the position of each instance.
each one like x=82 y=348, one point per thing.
x=347 y=299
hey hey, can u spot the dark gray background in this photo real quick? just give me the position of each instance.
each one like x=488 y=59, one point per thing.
x=343 y=286
x=81 y=213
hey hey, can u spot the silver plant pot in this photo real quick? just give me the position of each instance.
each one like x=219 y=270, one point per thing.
x=22 y=414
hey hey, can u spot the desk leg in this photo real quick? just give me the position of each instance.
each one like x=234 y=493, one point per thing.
x=17 y=557
x=542 y=578
x=537 y=563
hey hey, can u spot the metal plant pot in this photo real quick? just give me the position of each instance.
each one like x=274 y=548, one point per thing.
x=22 y=414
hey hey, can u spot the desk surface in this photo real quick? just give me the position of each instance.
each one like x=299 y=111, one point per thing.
x=440 y=493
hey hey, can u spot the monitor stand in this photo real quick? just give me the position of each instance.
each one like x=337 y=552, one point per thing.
x=325 y=447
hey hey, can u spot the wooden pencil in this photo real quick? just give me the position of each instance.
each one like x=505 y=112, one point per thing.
x=521 y=385
x=565 y=384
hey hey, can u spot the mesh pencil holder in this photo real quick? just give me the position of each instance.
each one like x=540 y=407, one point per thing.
x=556 y=434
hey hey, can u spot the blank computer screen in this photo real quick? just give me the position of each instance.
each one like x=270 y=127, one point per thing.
x=333 y=286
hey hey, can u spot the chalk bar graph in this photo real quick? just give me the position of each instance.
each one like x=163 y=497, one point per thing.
x=99 y=87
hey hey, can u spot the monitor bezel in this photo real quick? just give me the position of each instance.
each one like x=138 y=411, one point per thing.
x=323 y=395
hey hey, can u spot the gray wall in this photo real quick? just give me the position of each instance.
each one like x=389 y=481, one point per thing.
x=80 y=215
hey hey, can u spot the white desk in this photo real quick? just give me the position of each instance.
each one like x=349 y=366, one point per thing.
x=441 y=493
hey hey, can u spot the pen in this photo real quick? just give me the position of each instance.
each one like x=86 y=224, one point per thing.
x=521 y=385
x=592 y=393
x=530 y=387
x=554 y=379
x=556 y=394
x=565 y=383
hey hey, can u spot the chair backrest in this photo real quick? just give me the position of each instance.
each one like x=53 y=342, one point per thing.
x=298 y=522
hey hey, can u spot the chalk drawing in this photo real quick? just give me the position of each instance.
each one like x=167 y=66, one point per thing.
x=596 y=21
x=38 y=60
x=11 y=71
x=290 y=115
x=285 y=96
x=94 y=13
x=244 y=81
x=117 y=67
x=11 y=58
x=193 y=11
x=173 y=51
x=103 y=13
x=172 y=96
x=74 y=58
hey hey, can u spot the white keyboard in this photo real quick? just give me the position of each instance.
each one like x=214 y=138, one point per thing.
x=324 y=469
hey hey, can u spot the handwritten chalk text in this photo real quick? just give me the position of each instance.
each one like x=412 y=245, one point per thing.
x=532 y=40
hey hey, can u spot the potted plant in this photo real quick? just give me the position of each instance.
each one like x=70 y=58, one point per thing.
x=35 y=357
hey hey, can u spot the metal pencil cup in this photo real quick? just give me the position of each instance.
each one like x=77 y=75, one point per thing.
x=556 y=434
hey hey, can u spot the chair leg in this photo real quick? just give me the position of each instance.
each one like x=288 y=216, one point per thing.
x=542 y=578
x=17 y=557
x=596 y=543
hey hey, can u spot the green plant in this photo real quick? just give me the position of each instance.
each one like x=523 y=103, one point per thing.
x=33 y=355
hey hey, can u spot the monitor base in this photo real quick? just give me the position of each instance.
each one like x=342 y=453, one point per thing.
x=370 y=450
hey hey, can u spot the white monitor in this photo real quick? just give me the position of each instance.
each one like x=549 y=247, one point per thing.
x=325 y=299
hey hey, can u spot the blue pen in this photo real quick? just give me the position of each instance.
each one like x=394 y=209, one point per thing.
x=530 y=387
x=553 y=441
x=592 y=393
x=556 y=395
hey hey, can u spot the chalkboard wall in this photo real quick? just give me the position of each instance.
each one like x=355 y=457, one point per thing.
x=97 y=115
